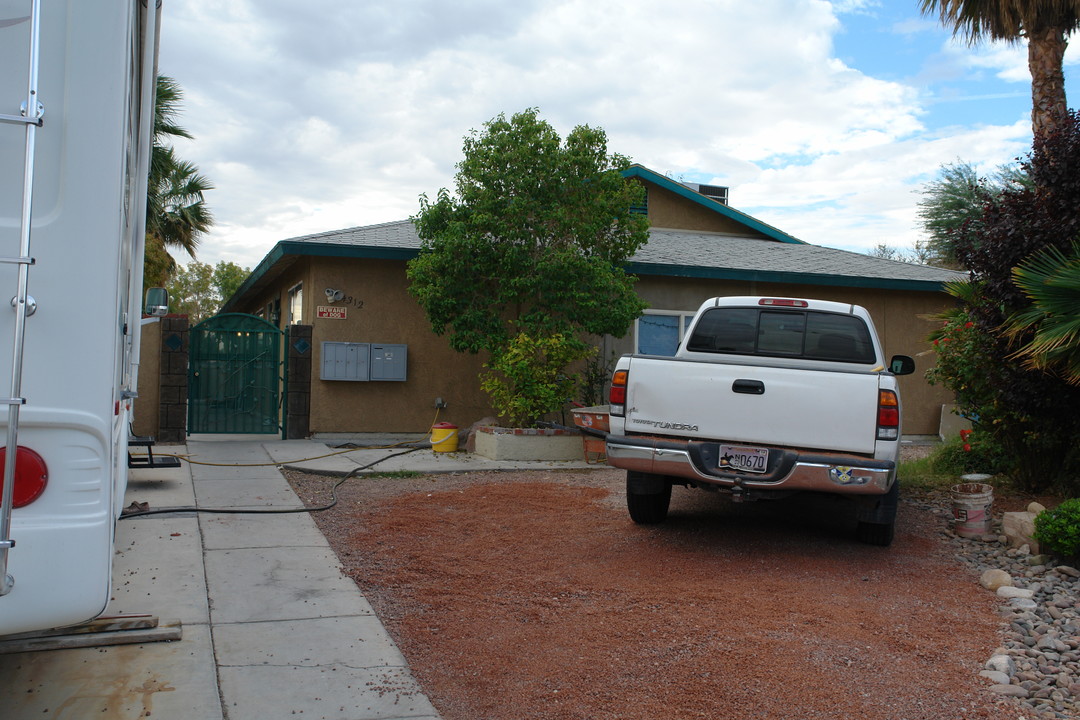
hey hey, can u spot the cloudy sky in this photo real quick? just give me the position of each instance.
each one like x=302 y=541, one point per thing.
x=824 y=118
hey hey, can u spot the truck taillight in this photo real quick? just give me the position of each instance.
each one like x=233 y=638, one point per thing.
x=617 y=395
x=888 y=416
x=31 y=476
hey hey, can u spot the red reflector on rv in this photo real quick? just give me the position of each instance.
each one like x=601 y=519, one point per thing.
x=783 y=302
x=31 y=476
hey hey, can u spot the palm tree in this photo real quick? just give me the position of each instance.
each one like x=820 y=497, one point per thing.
x=1050 y=327
x=1044 y=23
x=176 y=211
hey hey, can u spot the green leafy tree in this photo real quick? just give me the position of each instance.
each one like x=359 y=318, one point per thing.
x=952 y=206
x=1045 y=24
x=176 y=212
x=531 y=246
x=198 y=290
x=227 y=279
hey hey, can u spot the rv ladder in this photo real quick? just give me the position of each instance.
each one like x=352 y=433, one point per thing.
x=22 y=303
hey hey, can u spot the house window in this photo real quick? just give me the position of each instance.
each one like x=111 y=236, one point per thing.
x=296 y=303
x=658 y=332
x=273 y=311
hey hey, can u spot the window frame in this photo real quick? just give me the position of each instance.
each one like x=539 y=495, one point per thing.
x=685 y=318
x=296 y=304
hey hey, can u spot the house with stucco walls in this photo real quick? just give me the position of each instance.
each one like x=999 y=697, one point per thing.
x=350 y=287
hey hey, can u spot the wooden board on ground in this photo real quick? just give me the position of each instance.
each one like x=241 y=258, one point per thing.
x=113 y=630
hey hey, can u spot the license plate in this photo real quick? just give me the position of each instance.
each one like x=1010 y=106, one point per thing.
x=744 y=459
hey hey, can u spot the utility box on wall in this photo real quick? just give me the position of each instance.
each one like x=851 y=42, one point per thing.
x=389 y=362
x=345 y=361
x=364 y=361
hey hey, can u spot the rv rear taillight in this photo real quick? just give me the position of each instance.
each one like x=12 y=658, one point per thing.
x=31 y=476
x=888 y=416
x=617 y=395
x=783 y=302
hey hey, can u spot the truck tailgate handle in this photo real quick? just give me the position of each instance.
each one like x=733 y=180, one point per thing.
x=749 y=387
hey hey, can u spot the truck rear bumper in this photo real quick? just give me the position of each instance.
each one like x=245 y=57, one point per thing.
x=788 y=469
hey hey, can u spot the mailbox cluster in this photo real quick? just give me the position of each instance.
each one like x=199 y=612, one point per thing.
x=364 y=361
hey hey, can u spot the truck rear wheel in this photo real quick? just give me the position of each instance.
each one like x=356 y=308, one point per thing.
x=877 y=521
x=875 y=533
x=647 y=508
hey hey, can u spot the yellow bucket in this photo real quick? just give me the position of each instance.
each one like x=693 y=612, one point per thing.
x=444 y=437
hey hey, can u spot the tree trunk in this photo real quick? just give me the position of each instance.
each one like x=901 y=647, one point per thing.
x=1046 y=50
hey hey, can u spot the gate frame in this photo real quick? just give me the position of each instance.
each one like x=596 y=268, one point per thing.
x=281 y=359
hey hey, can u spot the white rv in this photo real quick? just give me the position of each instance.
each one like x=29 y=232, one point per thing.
x=76 y=114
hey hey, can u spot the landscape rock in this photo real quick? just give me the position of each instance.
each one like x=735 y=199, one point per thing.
x=1019 y=527
x=1008 y=591
x=1010 y=691
x=1035 y=508
x=994 y=579
x=995 y=677
x=1003 y=664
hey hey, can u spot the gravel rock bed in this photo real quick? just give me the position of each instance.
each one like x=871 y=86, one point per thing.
x=1038 y=662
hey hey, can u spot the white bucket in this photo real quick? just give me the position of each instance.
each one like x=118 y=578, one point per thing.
x=971 y=508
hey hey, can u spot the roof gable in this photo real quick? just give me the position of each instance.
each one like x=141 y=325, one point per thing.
x=708 y=203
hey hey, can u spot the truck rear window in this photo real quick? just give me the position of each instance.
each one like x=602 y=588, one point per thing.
x=783 y=333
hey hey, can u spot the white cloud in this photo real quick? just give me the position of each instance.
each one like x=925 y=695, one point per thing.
x=323 y=115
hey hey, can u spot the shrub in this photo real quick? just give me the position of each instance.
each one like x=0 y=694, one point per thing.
x=1058 y=530
x=979 y=453
x=527 y=379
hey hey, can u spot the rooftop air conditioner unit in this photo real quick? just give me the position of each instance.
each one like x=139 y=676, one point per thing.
x=715 y=192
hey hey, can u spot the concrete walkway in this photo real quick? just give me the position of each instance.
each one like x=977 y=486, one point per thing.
x=271 y=627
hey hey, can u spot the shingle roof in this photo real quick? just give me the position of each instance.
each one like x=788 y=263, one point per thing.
x=668 y=253
x=696 y=254
x=399 y=234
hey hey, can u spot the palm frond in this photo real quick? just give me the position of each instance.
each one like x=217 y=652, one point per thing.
x=1051 y=324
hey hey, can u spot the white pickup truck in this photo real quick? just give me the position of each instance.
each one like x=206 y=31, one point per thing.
x=765 y=397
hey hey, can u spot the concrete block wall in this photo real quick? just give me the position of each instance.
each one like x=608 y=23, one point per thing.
x=173 y=384
x=299 y=350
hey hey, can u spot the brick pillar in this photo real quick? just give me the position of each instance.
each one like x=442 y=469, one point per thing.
x=172 y=409
x=299 y=348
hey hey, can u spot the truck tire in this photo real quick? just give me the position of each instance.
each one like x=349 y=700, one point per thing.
x=875 y=533
x=877 y=524
x=647 y=508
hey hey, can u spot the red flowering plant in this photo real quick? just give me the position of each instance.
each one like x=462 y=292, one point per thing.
x=964 y=364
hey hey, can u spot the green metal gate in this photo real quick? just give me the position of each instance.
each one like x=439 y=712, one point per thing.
x=236 y=376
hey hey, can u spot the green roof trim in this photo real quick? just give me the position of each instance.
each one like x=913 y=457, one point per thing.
x=637 y=268
x=369 y=252
x=292 y=247
x=644 y=173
